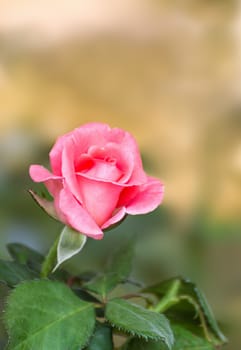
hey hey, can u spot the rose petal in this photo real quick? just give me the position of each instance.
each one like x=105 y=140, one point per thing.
x=54 y=186
x=126 y=140
x=77 y=217
x=118 y=156
x=148 y=198
x=85 y=162
x=99 y=198
x=127 y=194
x=68 y=168
x=103 y=178
x=115 y=218
x=89 y=135
x=83 y=138
x=103 y=171
x=40 y=174
x=55 y=154
x=99 y=134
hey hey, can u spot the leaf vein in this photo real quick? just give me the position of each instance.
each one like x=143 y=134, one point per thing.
x=52 y=324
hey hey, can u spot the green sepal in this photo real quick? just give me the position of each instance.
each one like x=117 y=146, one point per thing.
x=70 y=243
x=46 y=205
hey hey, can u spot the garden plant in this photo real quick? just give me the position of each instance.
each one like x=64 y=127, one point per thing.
x=97 y=179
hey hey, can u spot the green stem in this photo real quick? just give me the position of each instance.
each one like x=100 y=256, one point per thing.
x=50 y=260
x=170 y=299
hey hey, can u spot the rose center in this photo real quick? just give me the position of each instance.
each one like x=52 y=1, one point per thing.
x=99 y=168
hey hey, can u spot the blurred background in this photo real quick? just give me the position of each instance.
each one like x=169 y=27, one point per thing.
x=167 y=71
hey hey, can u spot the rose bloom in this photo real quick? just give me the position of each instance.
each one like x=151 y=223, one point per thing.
x=97 y=178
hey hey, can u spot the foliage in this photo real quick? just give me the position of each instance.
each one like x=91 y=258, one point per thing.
x=61 y=311
x=51 y=323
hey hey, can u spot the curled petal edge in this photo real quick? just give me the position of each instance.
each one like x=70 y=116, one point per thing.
x=147 y=199
x=38 y=173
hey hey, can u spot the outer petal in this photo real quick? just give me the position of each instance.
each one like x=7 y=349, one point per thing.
x=77 y=217
x=115 y=218
x=99 y=198
x=84 y=137
x=40 y=174
x=126 y=196
x=147 y=199
x=55 y=154
x=88 y=135
x=68 y=168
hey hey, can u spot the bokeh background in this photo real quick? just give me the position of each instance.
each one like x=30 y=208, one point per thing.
x=167 y=71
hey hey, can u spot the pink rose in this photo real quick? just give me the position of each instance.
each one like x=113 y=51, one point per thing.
x=97 y=178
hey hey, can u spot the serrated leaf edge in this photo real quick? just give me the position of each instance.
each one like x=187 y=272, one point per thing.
x=146 y=337
x=7 y=301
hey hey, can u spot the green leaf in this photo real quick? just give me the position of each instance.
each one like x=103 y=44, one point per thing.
x=47 y=315
x=70 y=243
x=82 y=294
x=136 y=320
x=4 y=292
x=102 y=338
x=186 y=340
x=102 y=284
x=118 y=271
x=25 y=255
x=142 y=344
x=190 y=303
x=13 y=273
x=208 y=313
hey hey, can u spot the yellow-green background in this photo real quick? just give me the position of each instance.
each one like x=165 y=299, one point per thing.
x=168 y=72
